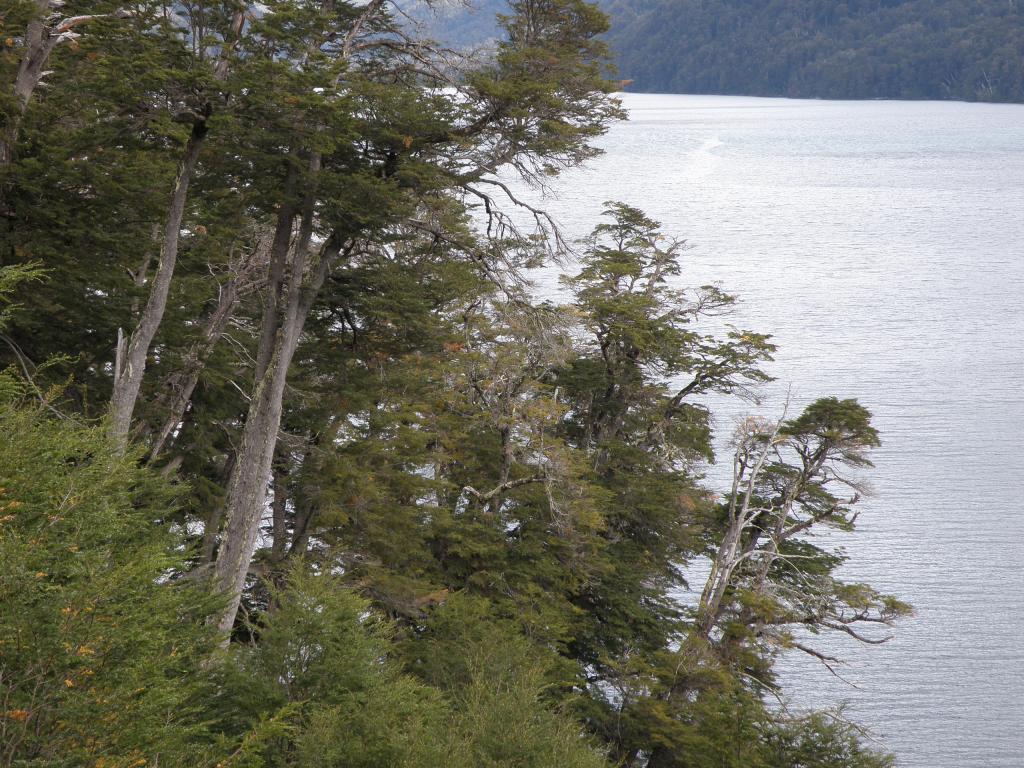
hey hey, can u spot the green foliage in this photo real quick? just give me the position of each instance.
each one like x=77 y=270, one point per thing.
x=830 y=424
x=318 y=689
x=858 y=49
x=481 y=507
x=11 y=277
x=105 y=662
x=644 y=334
x=821 y=740
x=503 y=719
x=98 y=651
x=501 y=686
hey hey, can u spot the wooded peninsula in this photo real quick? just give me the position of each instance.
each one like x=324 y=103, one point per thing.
x=296 y=471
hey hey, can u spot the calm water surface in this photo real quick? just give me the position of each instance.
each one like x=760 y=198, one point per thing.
x=882 y=243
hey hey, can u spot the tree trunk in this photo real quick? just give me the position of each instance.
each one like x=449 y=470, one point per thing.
x=732 y=551
x=247 y=488
x=130 y=362
x=725 y=562
x=39 y=43
x=176 y=391
x=211 y=527
x=278 y=259
x=180 y=385
x=304 y=514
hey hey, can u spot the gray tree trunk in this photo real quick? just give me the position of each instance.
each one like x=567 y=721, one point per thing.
x=177 y=389
x=130 y=362
x=248 y=485
x=278 y=260
x=182 y=383
x=39 y=44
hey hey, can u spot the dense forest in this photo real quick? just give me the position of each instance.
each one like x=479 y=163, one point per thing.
x=860 y=49
x=294 y=470
x=970 y=50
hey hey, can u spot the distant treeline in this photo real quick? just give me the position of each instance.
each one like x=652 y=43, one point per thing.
x=859 y=49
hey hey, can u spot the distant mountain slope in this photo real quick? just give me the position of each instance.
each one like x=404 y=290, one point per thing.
x=858 y=49
x=910 y=49
x=460 y=24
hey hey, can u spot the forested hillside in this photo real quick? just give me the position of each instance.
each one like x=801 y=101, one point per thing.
x=294 y=470
x=860 y=49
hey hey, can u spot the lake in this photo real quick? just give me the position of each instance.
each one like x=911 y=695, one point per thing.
x=882 y=243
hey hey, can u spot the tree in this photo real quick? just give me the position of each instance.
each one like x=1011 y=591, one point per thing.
x=634 y=407
x=426 y=143
x=784 y=476
x=768 y=583
x=443 y=523
x=90 y=631
x=326 y=129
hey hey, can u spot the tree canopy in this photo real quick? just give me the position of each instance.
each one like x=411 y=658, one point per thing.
x=295 y=471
